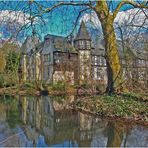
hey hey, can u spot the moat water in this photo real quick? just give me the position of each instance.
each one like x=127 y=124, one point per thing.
x=48 y=121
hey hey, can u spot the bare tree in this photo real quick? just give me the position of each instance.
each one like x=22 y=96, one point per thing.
x=106 y=17
x=134 y=42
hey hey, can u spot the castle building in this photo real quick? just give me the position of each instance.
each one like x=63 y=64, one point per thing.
x=75 y=61
x=56 y=59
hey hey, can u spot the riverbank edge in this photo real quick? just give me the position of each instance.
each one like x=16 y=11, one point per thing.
x=12 y=92
x=137 y=118
x=116 y=118
x=34 y=92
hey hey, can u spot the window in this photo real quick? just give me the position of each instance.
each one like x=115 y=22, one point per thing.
x=104 y=61
x=46 y=72
x=100 y=61
x=47 y=58
x=82 y=45
x=87 y=44
x=81 y=42
x=97 y=73
x=141 y=61
x=95 y=60
x=123 y=62
x=57 y=61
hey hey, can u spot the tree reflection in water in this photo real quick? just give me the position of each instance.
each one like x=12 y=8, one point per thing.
x=114 y=134
x=48 y=121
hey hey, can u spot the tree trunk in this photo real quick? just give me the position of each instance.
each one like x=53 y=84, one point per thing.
x=114 y=72
x=115 y=135
x=112 y=56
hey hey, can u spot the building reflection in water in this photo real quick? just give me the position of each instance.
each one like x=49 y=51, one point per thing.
x=46 y=117
x=58 y=123
x=48 y=121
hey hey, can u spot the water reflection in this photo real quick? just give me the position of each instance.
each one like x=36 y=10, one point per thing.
x=48 y=121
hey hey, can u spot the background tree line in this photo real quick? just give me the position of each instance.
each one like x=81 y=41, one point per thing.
x=10 y=61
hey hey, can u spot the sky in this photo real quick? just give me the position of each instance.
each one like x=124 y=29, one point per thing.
x=14 y=14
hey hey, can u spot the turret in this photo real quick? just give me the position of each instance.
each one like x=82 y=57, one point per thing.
x=82 y=44
x=82 y=40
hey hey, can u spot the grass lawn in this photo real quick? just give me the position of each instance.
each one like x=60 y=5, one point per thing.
x=127 y=106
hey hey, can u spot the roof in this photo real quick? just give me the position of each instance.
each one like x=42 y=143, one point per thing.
x=57 y=43
x=30 y=44
x=82 y=33
x=98 y=48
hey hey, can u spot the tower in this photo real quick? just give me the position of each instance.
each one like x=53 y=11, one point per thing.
x=82 y=43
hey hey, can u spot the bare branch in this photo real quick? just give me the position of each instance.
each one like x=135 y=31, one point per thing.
x=77 y=19
x=63 y=4
x=134 y=4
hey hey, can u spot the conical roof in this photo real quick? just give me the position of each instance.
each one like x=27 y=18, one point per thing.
x=82 y=33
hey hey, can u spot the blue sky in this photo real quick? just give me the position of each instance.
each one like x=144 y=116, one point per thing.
x=61 y=21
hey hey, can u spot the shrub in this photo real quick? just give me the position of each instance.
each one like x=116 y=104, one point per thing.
x=100 y=87
x=59 y=86
x=28 y=85
x=7 y=80
x=1 y=80
x=85 y=86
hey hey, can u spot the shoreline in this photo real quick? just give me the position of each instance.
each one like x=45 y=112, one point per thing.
x=116 y=118
x=93 y=106
x=34 y=92
x=108 y=110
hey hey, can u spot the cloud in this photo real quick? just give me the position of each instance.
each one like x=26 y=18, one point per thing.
x=8 y=16
x=15 y=24
x=91 y=18
x=133 y=17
